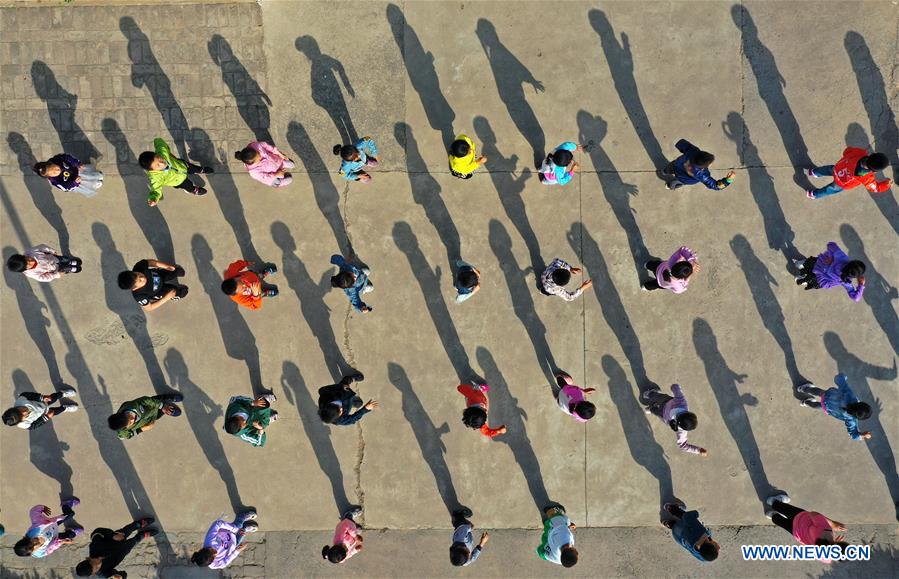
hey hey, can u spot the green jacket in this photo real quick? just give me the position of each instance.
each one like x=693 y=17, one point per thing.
x=244 y=405
x=171 y=176
x=147 y=410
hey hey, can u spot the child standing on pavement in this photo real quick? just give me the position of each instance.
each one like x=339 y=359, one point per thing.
x=557 y=275
x=44 y=537
x=557 y=541
x=42 y=263
x=245 y=286
x=689 y=533
x=674 y=412
x=559 y=166
x=266 y=164
x=347 y=540
x=475 y=413
x=108 y=548
x=673 y=274
x=839 y=402
x=32 y=410
x=335 y=402
x=247 y=418
x=832 y=268
x=166 y=170
x=224 y=541
x=572 y=398
x=462 y=160
x=353 y=280
x=857 y=168
x=355 y=158
x=153 y=283
x=67 y=173
x=140 y=415
x=463 y=551
x=692 y=167
x=468 y=281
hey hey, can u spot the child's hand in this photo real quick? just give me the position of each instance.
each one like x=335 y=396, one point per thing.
x=730 y=175
x=151 y=203
x=703 y=452
x=574 y=167
x=572 y=526
x=481 y=160
x=371 y=405
x=365 y=309
x=861 y=280
x=575 y=270
x=501 y=430
x=78 y=179
x=587 y=284
x=589 y=390
x=258 y=425
x=485 y=536
x=866 y=435
x=46 y=511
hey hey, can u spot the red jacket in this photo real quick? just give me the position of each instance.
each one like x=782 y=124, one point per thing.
x=245 y=279
x=477 y=397
x=844 y=172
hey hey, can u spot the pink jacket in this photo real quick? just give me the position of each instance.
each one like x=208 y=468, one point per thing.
x=270 y=162
x=347 y=534
x=45 y=527
x=674 y=284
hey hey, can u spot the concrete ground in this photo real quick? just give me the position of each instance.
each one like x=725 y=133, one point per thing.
x=768 y=87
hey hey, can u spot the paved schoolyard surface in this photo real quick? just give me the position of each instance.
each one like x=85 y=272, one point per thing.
x=767 y=87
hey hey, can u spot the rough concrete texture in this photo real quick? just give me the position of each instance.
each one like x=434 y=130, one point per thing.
x=768 y=87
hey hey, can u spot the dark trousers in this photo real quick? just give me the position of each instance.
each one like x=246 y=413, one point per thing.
x=187 y=184
x=784 y=515
x=459 y=519
x=70 y=518
x=652 y=266
x=655 y=400
x=807 y=273
x=677 y=512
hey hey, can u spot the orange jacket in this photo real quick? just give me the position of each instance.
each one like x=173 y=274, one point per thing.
x=476 y=397
x=845 y=177
x=245 y=279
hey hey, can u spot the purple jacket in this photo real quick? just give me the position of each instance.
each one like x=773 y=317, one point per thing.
x=828 y=268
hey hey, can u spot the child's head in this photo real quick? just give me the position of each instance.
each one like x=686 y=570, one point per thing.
x=459 y=554
x=568 y=556
x=129 y=280
x=682 y=270
x=460 y=148
x=25 y=546
x=248 y=155
x=150 y=161
x=330 y=412
x=702 y=159
x=586 y=410
x=120 y=420
x=203 y=557
x=561 y=276
x=235 y=424
x=474 y=417
x=468 y=278
x=14 y=415
x=854 y=268
x=47 y=169
x=334 y=553
x=19 y=263
x=346 y=152
x=684 y=421
x=876 y=162
x=88 y=567
x=709 y=550
x=229 y=286
x=343 y=279
x=562 y=157
x=860 y=410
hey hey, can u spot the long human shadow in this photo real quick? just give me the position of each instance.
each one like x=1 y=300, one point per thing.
x=637 y=431
x=239 y=341
x=252 y=102
x=312 y=303
x=428 y=436
x=511 y=75
x=225 y=191
x=508 y=412
x=429 y=282
x=36 y=321
x=621 y=65
x=879 y=294
x=509 y=189
x=761 y=285
x=146 y=72
x=725 y=385
x=120 y=302
x=202 y=412
x=422 y=74
x=856 y=136
x=326 y=76
x=40 y=190
x=610 y=303
x=94 y=398
x=522 y=298
x=771 y=85
x=778 y=230
x=318 y=434
x=46 y=451
x=426 y=192
x=61 y=107
x=859 y=372
x=327 y=197
x=617 y=193
x=151 y=221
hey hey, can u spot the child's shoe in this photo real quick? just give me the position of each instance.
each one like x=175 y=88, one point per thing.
x=270 y=397
x=249 y=515
x=782 y=497
x=145 y=522
x=801 y=388
x=67 y=392
x=274 y=415
x=250 y=527
x=357 y=377
x=270 y=269
x=270 y=292
x=806 y=402
x=810 y=193
x=464 y=512
x=811 y=173
x=352 y=513
x=171 y=410
x=70 y=407
x=199 y=191
x=71 y=503
x=149 y=533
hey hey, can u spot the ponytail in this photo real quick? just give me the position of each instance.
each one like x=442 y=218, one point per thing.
x=336 y=149
x=325 y=550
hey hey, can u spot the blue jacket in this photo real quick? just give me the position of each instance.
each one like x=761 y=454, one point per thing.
x=834 y=403
x=561 y=174
x=699 y=175
x=355 y=292
x=688 y=530
x=351 y=169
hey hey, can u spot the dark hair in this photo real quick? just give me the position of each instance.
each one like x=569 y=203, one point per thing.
x=562 y=157
x=702 y=159
x=459 y=554
x=41 y=168
x=146 y=159
x=854 y=268
x=203 y=557
x=233 y=425
x=126 y=279
x=12 y=417
x=245 y=155
x=343 y=279
x=561 y=276
x=686 y=421
x=84 y=569
x=568 y=556
x=876 y=162
x=468 y=278
x=584 y=409
x=460 y=148
x=118 y=421
x=345 y=151
x=474 y=417
x=229 y=286
x=23 y=547
x=682 y=270
x=334 y=553
x=709 y=551
x=17 y=263
x=329 y=413
x=860 y=410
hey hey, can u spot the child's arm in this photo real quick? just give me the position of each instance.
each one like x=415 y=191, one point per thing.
x=842 y=382
x=160 y=302
x=255 y=437
x=855 y=293
x=355 y=417
x=40 y=515
x=492 y=432
x=368 y=145
x=679 y=395
x=686 y=446
x=235 y=268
